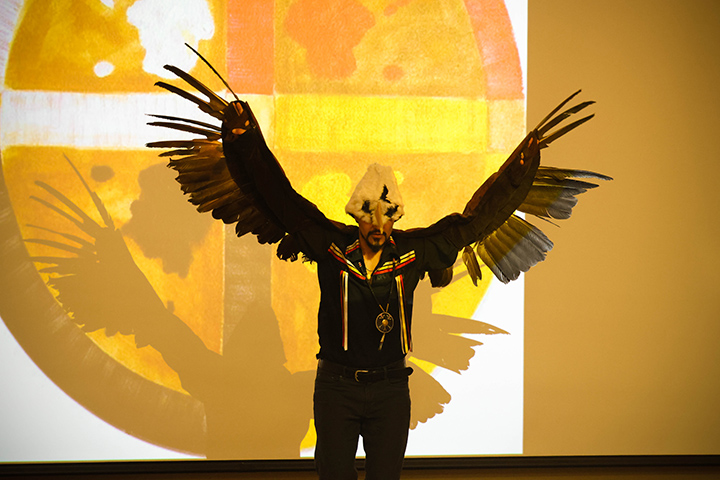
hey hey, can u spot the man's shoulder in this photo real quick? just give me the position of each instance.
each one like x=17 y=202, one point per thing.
x=343 y=245
x=403 y=243
x=404 y=250
x=432 y=252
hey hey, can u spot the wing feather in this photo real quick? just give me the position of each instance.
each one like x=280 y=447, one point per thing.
x=210 y=134
x=215 y=104
x=554 y=191
x=506 y=243
x=221 y=172
x=514 y=248
x=472 y=264
x=201 y=104
x=171 y=118
x=205 y=163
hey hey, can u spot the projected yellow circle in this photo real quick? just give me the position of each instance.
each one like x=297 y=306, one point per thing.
x=435 y=90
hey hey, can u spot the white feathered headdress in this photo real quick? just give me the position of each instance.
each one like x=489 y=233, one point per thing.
x=377 y=189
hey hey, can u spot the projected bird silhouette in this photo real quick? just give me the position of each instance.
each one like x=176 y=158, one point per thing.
x=101 y=287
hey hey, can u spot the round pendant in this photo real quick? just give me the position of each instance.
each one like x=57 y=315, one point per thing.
x=384 y=322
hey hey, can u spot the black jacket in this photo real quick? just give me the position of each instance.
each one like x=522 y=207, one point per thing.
x=349 y=335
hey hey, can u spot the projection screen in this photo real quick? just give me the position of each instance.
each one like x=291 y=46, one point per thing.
x=435 y=89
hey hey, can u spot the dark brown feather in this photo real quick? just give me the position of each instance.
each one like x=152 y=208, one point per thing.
x=186 y=120
x=216 y=104
x=202 y=104
x=209 y=134
x=471 y=264
x=441 y=277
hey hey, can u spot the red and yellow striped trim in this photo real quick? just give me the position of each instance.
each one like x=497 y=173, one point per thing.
x=344 y=307
x=405 y=337
x=386 y=267
x=340 y=256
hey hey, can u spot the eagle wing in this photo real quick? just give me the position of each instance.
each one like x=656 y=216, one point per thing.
x=489 y=226
x=232 y=173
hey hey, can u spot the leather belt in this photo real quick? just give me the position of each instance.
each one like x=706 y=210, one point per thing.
x=394 y=370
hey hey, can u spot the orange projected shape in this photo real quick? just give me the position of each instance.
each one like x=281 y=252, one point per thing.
x=494 y=35
x=250 y=53
x=432 y=88
x=393 y=7
x=329 y=30
x=431 y=42
x=393 y=72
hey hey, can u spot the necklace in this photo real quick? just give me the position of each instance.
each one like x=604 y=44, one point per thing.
x=384 y=322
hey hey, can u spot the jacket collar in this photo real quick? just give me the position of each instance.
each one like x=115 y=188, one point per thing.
x=353 y=253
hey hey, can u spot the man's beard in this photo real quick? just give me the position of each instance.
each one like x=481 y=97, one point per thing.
x=375 y=244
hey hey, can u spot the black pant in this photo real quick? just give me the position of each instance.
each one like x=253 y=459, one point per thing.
x=346 y=409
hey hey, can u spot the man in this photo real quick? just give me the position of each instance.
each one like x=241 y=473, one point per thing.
x=367 y=280
x=367 y=277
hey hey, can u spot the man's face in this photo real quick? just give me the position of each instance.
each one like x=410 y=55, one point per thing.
x=375 y=234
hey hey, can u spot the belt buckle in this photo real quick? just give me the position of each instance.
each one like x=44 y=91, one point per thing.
x=360 y=371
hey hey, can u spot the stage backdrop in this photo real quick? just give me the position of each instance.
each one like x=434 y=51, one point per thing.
x=622 y=323
x=433 y=88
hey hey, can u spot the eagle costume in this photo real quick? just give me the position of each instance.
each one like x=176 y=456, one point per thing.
x=232 y=173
